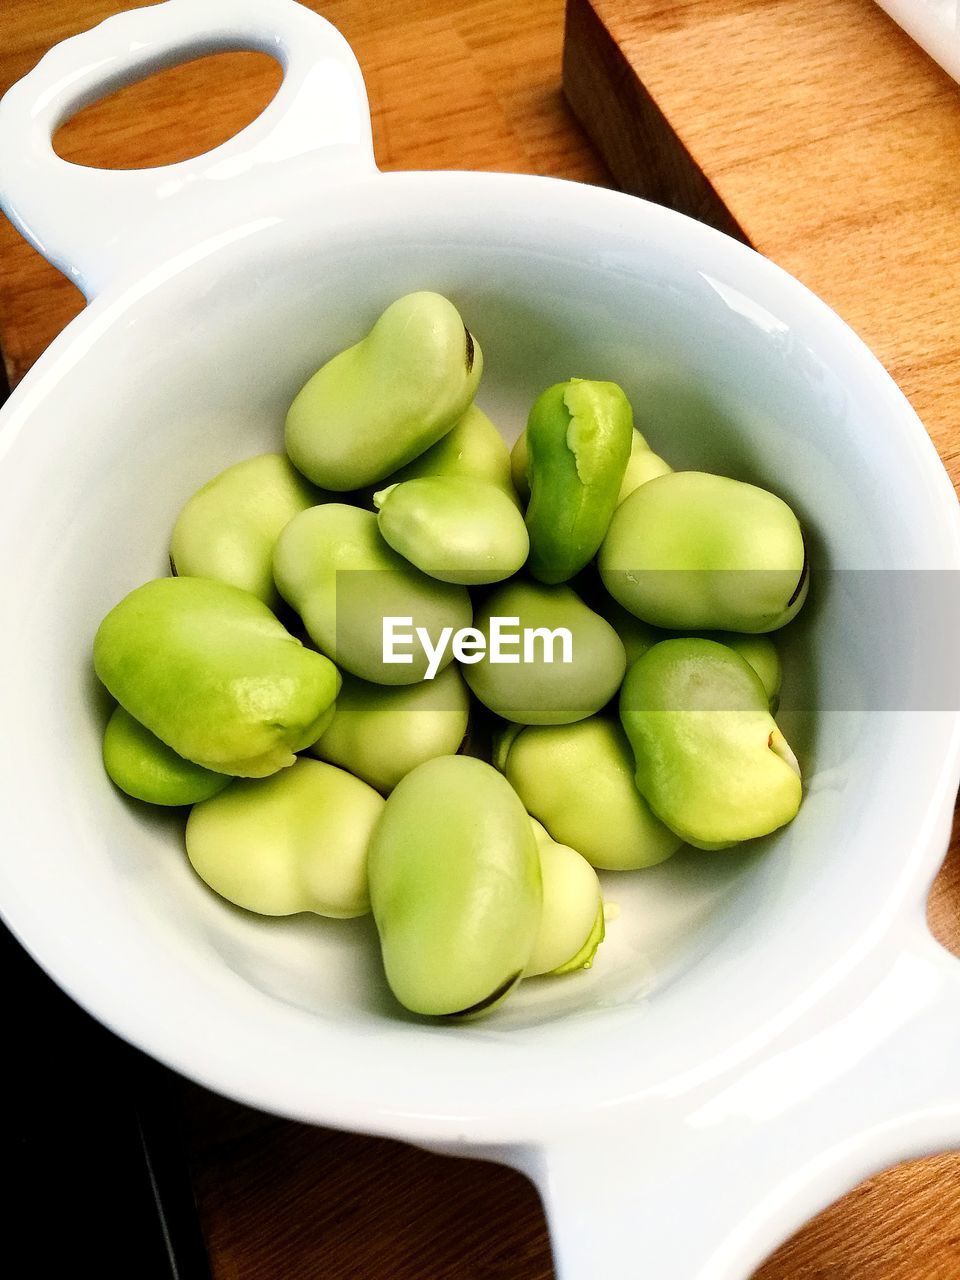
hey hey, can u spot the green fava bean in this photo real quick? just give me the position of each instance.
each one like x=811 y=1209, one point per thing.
x=578 y=437
x=454 y=528
x=578 y=781
x=145 y=768
x=710 y=758
x=642 y=465
x=473 y=448
x=455 y=888
x=760 y=652
x=636 y=636
x=381 y=734
x=228 y=529
x=519 y=462
x=502 y=740
x=536 y=685
x=571 y=920
x=209 y=670
x=294 y=842
x=326 y=720
x=692 y=552
x=381 y=403
x=334 y=568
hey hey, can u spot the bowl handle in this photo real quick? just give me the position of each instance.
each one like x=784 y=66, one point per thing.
x=702 y=1183
x=92 y=223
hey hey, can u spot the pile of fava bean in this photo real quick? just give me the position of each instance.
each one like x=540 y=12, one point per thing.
x=467 y=801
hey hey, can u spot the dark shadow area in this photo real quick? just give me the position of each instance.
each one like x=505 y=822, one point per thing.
x=92 y=1145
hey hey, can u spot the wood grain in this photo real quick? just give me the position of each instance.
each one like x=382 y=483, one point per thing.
x=827 y=134
x=451 y=86
x=476 y=85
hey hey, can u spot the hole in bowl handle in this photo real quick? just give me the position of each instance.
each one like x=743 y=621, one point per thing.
x=92 y=223
x=705 y=1185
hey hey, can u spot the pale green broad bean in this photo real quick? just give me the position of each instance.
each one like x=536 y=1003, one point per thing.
x=455 y=888
x=454 y=528
x=382 y=402
x=578 y=441
x=210 y=671
x=642 y=465
x=577 y=780
x=710 y=758
x=539 y=691
x=334 y=568
x=228 y=529
x=637 y=637
x=147 y=769
x=502 y=740
x=690 y=551
x=295 y=842
x=757 y=650
x=381 y=733
x=571 y=918
x=473 y=448
x=519 y=461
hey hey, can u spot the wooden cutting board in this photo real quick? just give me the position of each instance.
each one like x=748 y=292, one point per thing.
x=476 y=84
x=821 y=131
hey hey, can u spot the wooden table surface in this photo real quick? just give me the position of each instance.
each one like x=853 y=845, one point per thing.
x=476 y=84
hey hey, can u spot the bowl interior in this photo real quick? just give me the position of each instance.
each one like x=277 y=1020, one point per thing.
x=730 y=367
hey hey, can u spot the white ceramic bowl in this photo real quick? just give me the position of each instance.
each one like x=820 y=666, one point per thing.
x=762 y=1028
